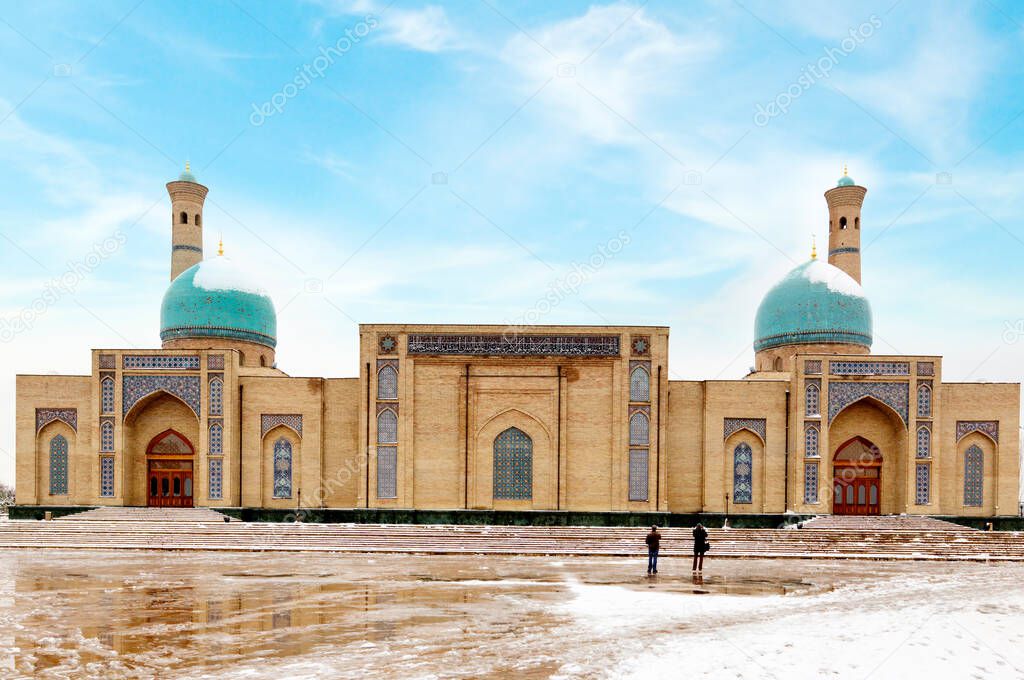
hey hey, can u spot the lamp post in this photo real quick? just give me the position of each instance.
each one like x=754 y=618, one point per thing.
x=726 y=509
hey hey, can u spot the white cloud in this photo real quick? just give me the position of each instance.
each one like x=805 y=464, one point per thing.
x=427 y=29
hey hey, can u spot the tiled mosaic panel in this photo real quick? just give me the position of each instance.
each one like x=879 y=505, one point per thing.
x=842 y=394
x=107 y=476
x=924 y=401
x=387 y=427
x=974 y=477
x=733 y=425
x=282 y=468
x=924 y=442
x=215 y=362
x=812 y=367
x=922 y=484
x=387 y=472
x=639 y=429
x=58 y=466
x=268 y=421
x=107 y=395
x=810 y=482
x=387 y=383
x=869 y=367
x=216 y=438
x=136 y=387
x=45 y=416
x=743 y=474
x=640 y=345
x=811 y=437
x=516 y=345
x=925 y=368
x=106 y=436
x=216 y=397
x=158 y=362
x=638 y=474
x=216 y=478
x=513 y=465
x=989 y=427
x=639 y=385
x=107 y=361
x=812 y=398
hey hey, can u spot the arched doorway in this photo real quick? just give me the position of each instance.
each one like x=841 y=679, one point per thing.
x=857 y=478
x=169 y=459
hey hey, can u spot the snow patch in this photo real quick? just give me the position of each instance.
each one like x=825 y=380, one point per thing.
x=220 y=273
x=835 y=278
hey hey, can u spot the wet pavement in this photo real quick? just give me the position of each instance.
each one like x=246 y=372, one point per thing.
x=111 y=614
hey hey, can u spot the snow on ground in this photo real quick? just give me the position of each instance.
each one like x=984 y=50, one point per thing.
x=269 y=616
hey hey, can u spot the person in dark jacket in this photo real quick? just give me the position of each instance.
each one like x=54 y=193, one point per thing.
x=700 y=546
x=653 y=545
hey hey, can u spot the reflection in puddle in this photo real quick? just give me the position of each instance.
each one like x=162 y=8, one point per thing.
x=125 y=614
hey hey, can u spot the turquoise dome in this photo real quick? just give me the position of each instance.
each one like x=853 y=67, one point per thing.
x=845 y=181
x=214 y=299
x=814 y=303
x=187 y=177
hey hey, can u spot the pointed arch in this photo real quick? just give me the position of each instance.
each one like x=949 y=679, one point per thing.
x=387 y=383
x=924 y=442
x=924 y=401
x=513 y=465
x=107 y=436
x=216 y=397
x=107 y=395
x=812 y=437
x=639 y=385
x=387 y=427
x=974 y=477
x=170 y=442
x=743 y=474
x=812 y=399
x=282 y=468
x=216 y=439
x=639 y=429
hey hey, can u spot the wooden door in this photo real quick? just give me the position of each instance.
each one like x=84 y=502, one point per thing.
x=857 y=496
x=170 y=488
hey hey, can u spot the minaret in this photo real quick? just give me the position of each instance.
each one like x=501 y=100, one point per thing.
x=844 y=203
x=187 y=197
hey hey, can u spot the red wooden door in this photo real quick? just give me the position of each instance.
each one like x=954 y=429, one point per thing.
x=170 y=488
x=857 y=496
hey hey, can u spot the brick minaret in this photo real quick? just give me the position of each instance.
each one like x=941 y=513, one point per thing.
x=844 y=203
x=187 y=197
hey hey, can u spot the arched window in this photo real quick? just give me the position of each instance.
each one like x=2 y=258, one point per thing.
x=924 y=442
x=513 y=465
x=216 y=397
x=106 y=436
x=282 y=468
x=639 y=429
x=842 y=223
x=974 y=477
x=639 y=385
x=199 y=220
x=811 y=441
x=856 y=223
x=216 y=439
x=387 y=383
x=387 y=427
x=107 y=395
x=924 y=401
x=263 y=361
x=812 y=399
x=183 y=217
x=777 y=365
x=58 y=466
x=743 y=474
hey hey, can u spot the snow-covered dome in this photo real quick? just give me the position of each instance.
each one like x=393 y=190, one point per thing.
x=216 y=299
x=816 y=303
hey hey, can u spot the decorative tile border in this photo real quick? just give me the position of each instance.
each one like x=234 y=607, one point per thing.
x=640 y=345
x=640 y=408
x=387 y=406
x=926 y=368
x=516 y=345
x=869 y=367
x=161 y=362
x=812 y=367
x=45 y=416
x=755 y=425
x=136 y=387
x=892 y=394
x=988 y=427
x=268 y=421
x=381 y=363
x=639 y=474
x=215 y=362
x=644 y=363
x=108 y=361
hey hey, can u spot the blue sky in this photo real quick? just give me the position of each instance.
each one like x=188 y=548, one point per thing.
x=459 y=162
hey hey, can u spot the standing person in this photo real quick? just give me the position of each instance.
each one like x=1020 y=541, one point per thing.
x=700 y=546
x=653 y=544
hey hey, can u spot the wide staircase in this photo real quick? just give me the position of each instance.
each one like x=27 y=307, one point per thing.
x=866 y=538
x=131 y=514
x=882 y=523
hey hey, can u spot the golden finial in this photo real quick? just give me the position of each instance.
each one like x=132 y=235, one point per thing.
x=844 y=170
x=814 y=247
x=220 y=247
x=187 y=167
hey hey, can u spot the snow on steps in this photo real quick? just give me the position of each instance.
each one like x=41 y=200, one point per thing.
x=186 y=530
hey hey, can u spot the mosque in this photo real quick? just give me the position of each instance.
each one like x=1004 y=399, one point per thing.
x=548 y=418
